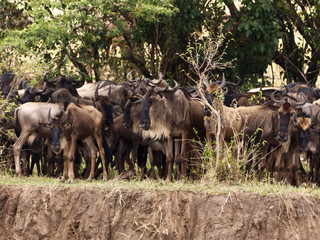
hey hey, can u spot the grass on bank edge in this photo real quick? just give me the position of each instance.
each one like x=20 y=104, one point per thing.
x=202 y=186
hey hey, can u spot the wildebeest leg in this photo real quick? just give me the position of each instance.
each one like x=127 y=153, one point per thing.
x=151 y=159
x=99 y=140
x=71 y=157
x=17 y=151
x=93 y=153
x=142 y=156
x=65 y=161
x=35 y=160
x=183 y=157
x=177 y=157
x=87 y=157
x=263 y=163
x=292 y=167
x=50 y=159
x=169 y=155
x=162 y=165
x=25 y=160
x=316 y=162
x=118 y=157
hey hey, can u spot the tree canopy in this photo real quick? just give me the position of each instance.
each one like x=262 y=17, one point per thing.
x=106 y=39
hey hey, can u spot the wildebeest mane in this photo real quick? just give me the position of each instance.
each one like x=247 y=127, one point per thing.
x=186 y=92
x=269 y=105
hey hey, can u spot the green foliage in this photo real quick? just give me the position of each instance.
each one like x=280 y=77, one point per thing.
x=255 y=33
x=7 y=135
x=101 y=38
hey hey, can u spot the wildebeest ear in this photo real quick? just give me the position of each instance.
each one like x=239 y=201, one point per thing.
x=299 y=111
x=225 y=90
x=134 y=99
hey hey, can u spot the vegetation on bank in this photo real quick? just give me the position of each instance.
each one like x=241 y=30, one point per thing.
x=204 y=186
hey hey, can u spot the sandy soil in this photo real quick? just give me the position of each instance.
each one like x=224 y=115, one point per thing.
x=93 y=213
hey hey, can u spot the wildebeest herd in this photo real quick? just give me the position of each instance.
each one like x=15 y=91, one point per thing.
x=67 y=127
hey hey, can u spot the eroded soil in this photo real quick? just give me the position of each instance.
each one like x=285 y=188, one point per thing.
x=91 y=213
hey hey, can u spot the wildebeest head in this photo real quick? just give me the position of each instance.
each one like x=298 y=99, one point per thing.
x=287 y=109
x=30 y=92
x=56 y=126
x=303 y=124
x=211 y=92
x=229 y=90
x=66 y=82
x=106 y=106
x=159 y=87
x=308 y=127
x=144 y=117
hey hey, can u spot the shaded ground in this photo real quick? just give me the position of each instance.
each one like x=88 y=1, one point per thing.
x=31 y=212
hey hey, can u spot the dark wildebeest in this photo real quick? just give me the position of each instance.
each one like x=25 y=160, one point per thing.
x=10 y=82
x=131 y=123
x=229 y=90
x=309 y=138
x=29 y=93
x=66 y=82
x=271 y=122
x=77 y=122
x=168 y=114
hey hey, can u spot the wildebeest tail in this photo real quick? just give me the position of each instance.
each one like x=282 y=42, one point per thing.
x=65 y=104
x=107 y=152
x=17 y=127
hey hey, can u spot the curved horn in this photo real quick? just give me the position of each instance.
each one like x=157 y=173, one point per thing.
x=38 y=91
x=49 y=116
x=25 y=85
x=96 y=95
x=127 y=76
x=45 y=76
x=176 y=85
x=308 y=83
x=297 y=102
x=239 y=81
x=161 y=89
x=153 y=83
x=223 y=82
x=281 y=101
x=286 y=90
x=316 y=117
x=79 y=83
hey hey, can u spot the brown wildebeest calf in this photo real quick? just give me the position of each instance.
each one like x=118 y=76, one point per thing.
x=77 y=122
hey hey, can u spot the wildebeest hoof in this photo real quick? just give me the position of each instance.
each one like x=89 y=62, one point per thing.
x=70 y=181
x=89 y=179
x=62 y=180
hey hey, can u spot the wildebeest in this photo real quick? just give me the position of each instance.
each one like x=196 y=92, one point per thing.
x=66 y=82
x=29 y=93
x=31 y=118
x=77 y=122
x=170 y=114
x=229 y=90
x=10 y=82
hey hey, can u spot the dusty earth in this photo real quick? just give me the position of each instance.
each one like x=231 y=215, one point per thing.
x=91 y=213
